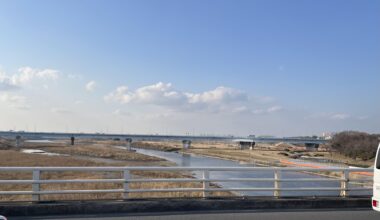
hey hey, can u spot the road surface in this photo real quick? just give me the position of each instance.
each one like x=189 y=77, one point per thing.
x=243 y=215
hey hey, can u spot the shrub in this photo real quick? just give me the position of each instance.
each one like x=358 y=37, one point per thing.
x=356 y=144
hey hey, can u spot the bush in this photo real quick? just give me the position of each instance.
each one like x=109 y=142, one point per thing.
x=356 y=144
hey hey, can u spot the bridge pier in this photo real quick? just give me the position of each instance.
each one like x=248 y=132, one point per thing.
x=245 y=144
x=72 y=139
x=186 y=144
x=18 y=141
x=311 y=146
x=128 y=143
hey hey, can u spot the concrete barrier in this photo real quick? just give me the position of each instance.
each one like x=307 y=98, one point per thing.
x=178 y=205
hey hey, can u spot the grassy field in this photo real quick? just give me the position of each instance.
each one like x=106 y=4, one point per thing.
x=85 y=154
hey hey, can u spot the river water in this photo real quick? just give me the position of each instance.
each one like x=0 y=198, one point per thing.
x=191 y=160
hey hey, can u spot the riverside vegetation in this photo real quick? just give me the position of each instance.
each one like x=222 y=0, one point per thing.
x=87 y=153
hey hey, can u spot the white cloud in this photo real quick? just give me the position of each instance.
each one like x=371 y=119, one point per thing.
x=59 y=110
x=219 y=100
x=340 y=116
x=219 y=95
x=6 y=97
x=330 y=116
x=274 y=109
x=258 y=111
x=6 y=83
x=120 y=112
x=90 y=86
x=269 y=110
x=240 y=109
x=15 y=101
x=27 y=74
x=74 y=76
x=158 y=94
x=263 y=99
x=163 y=94
x=363 y=117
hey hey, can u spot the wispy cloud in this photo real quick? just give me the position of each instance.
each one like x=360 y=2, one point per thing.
x=15 y=101
x=340 y=116
x=74 y=76
x=90 y=86
x=26 y=75
x=219 y=100
x=220 y=95
x=6 y=83
x=274 y=109
x=268 y=110
x=59 y=110
x=331 y=116
x=163 y=94
x=363 y=117
x=120 y=112
x=157 y=94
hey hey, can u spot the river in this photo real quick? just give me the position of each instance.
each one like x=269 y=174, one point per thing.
x=191 y=160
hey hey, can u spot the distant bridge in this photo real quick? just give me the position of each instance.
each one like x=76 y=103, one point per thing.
x=143 y=137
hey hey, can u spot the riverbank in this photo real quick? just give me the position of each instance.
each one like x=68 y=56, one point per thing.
x=263 y=153
x=96 y=153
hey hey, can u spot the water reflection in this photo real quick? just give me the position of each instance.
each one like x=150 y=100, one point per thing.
x=189 y=160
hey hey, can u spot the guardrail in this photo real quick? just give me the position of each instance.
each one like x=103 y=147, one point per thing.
x=36 y=181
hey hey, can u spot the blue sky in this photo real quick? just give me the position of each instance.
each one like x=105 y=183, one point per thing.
x=215 y=67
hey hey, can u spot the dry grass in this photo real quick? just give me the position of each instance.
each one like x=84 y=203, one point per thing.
x=100 y=149
x=15 y=158
x=349 y=161
x=270 y=153
x=5 y=144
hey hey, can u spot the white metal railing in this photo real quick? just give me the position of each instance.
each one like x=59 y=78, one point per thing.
x=36 y=181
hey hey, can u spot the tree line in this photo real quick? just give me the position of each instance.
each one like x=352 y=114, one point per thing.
x=357 y=145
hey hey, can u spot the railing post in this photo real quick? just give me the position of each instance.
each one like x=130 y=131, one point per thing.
x=36 y=186
x=344 y=183
x=277 y=185
x=127 y=176
x=206 y=184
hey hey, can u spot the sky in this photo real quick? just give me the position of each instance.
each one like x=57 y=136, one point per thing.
x=199 y=67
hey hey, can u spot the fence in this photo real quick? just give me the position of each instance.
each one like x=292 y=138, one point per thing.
x=276 y=180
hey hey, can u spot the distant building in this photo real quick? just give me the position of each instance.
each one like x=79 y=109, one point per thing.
x=328 y=135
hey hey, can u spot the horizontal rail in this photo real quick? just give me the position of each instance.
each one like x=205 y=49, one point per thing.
x=173 y=190
x=174 y=180
x=62 y=181
x=275 y=181
x=100 y=169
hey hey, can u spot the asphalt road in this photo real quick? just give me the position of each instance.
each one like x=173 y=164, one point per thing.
x=243 y=215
